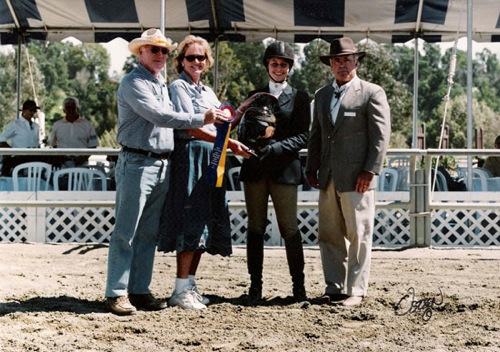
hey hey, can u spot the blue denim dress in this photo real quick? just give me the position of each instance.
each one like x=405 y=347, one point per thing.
x=196 y=215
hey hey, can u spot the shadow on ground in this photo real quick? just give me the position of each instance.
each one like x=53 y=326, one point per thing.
x=85 y=248
x=53 y=304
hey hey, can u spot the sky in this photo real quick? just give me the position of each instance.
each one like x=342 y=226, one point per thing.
x=118 y=51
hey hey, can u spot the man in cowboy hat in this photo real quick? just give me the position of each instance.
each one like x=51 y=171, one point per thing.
x=146 y=121
x=347 y=145
x=22 y=132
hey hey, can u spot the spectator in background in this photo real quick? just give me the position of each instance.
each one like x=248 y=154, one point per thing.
x=492 y=163
x=22 y=132
x=73 y=131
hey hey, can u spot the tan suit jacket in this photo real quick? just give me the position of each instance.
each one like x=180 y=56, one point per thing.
x=358 y=141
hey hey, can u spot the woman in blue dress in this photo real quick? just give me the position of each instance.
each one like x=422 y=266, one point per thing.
x=196 y=215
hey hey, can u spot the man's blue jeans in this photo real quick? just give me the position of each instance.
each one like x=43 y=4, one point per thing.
x=141 y=187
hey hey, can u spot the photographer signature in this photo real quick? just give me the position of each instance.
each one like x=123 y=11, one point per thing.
x=409 y=305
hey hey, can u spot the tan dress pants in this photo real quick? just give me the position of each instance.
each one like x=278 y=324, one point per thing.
x=346 y=221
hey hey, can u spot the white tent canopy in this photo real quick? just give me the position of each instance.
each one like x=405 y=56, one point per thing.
x=248 y=20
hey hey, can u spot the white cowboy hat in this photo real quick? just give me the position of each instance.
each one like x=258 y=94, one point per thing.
x=154 y=37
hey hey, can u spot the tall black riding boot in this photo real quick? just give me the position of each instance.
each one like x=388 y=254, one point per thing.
x=295 y=258
x=255 y=259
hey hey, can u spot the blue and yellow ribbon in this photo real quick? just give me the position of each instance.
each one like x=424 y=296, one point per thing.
x=217 y=164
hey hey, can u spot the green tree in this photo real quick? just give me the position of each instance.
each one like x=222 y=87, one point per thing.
x=240 y=71
x=30 y=85
x=378 y=67
x=8 y=88
x=80 y=71
x=485 y=118
x=310 y=73
x=54 y=74
x=487 y=79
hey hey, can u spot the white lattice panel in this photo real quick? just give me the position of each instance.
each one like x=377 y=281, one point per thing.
x=450 y=227
x=79 y=224
x=392 y=228
x=392 y=225
x=307 y=219
x=238 y=220
x=13 y=225
x=465 y=227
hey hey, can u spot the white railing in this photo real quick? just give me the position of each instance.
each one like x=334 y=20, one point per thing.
x=416 y=217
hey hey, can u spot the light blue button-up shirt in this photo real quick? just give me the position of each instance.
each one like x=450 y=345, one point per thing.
x=335 y=103
x=145 y=113
x=19 y=133
x=192 y=98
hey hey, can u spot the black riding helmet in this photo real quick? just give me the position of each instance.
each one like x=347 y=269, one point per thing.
x=257 y=117
x=281 y=50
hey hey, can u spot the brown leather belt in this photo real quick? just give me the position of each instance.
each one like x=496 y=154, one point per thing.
x=161 y=156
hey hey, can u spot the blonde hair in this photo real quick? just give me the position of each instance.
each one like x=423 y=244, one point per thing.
x=184 y=45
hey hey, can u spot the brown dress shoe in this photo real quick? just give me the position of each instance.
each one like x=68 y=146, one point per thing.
x=353 y=301
x=147 y=302
x=120 y=305
x=338 y=297
x=330 y=298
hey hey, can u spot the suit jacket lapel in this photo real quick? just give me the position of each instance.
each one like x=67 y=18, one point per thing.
x=285 y=96
x=328 y=99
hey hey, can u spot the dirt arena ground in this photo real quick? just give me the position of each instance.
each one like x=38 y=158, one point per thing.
x=51 y=299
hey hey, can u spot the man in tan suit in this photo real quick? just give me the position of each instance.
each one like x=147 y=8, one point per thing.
x=347 y=145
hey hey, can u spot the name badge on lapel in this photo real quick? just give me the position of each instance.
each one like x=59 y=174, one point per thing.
x=350 y=114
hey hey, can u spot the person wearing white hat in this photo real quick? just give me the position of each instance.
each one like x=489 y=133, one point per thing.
x=146 y=120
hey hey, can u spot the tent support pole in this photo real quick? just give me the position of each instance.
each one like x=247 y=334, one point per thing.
x=415 y=94
x=215 y=18
x=216 y=65
x=162 y=16
x=18 y=74
x=469 y=93
x=162 y=29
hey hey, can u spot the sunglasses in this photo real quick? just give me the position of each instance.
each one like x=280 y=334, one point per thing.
x=157 y=49
x=191 y=58
x=276 y=65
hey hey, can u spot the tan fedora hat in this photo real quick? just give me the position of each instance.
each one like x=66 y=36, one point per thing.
x=340 y=47
x=152 y=36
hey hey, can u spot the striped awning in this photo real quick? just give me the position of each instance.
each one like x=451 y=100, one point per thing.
x=249 y=20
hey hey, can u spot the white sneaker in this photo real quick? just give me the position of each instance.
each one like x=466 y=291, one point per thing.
x=187 y=299
x=204 y=300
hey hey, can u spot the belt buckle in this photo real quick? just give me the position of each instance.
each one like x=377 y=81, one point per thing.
x=164 y=156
